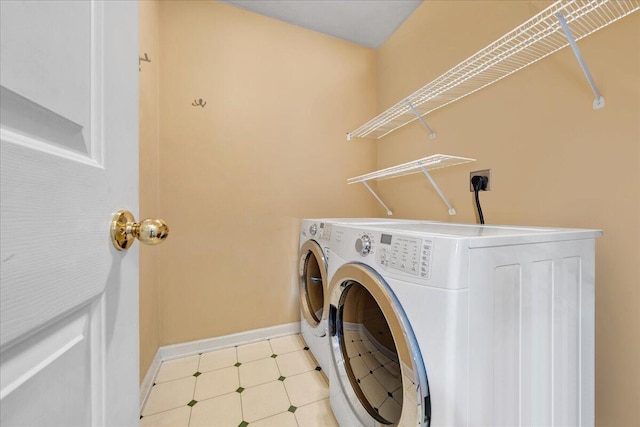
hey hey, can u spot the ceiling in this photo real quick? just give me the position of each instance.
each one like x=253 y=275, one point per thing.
x=365 y=22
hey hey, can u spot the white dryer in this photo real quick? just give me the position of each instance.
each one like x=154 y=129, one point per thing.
x=439 y=324
x=313 y=280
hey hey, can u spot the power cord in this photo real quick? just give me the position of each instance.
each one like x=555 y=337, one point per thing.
x=479 y=183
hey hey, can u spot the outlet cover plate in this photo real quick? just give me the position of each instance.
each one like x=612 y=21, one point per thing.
x=484 y=172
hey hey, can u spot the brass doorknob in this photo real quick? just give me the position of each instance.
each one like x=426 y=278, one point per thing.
x=125 y=229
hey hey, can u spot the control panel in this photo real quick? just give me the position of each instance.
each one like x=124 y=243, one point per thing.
x=325 y=232
x=406 y=254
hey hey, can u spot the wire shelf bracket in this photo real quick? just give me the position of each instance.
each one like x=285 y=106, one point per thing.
x=389 y=211
x=424 y=165
x=432 y=134
x=452 y=211
x=598 y=102
x=535 y=39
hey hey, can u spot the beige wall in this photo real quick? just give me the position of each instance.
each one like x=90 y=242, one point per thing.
x=149 y=316
x=236 y=176
x=555 y=161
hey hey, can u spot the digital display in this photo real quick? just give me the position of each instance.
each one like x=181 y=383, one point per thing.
x=385 y=239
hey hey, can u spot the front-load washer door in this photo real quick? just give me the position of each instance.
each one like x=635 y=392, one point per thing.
x=375 y=352
x=312 y=281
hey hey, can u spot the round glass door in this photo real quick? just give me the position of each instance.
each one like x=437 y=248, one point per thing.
x=377 y=353
x=312 y=282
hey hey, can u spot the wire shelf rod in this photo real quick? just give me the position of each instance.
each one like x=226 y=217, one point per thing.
x=366 y=184
x=432 y=134
x=598 y=102
x=452 y=211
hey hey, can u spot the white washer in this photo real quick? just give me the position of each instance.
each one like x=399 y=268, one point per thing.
x=439 y=324
x=313 y=280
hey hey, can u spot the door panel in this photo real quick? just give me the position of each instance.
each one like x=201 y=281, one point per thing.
x=51 y=44
x=53 y=255
x=33 y=394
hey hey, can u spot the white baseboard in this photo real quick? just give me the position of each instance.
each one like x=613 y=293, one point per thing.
x=149 y=378
x=176 y=351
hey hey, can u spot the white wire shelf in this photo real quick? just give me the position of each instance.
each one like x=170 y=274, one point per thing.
x=528 y=43
x=424 y=165
x=436 y=161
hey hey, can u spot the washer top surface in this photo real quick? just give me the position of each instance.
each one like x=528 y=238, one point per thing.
x=487 y=235
x=360 y=220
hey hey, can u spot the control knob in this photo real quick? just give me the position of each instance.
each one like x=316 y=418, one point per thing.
x=313 y=229
x=363 y=245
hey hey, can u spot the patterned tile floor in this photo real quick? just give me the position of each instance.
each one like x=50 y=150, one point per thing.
x=269 y=383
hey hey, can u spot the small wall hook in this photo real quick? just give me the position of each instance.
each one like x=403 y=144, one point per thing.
x=199 y=102
x=140 y=59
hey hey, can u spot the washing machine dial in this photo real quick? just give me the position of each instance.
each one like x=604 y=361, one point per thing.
x=363 y=245
x=313 y=229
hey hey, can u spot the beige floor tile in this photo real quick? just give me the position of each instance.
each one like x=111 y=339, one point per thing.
x=368 y=345
x=258 y=372
x=389 y=381
x=221 y=411
x=400 y=394
x=287 y=344
x=296 y=363
x=390 y=410
x=373 y=390
x=351 y=348
x=285 y=419
x=381 y=357
x=169 y=395
x=174 y=418
x=254 y=351
x=216 y=383
x=370 y=360
x=306 y=388
x=317 y=414
x=360 y=369
x=178 y=368
x=218 y=359
x=350 y=335
x=362 y=347
x=264 y=401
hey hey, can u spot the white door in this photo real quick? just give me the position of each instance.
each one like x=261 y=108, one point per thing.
x=69 y=159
